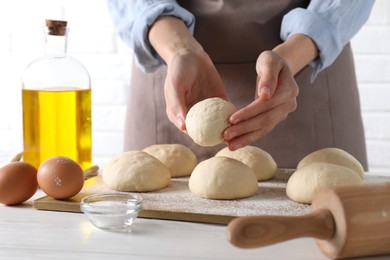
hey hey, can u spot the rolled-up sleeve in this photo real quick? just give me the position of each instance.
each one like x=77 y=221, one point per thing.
x=331 y=24
x=132 y=19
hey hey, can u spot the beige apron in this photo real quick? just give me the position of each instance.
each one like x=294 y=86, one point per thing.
x=234 y=33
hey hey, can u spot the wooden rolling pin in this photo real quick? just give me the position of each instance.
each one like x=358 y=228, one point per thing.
x=347 y=221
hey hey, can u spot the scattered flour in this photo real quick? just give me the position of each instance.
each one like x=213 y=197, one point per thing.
x=270 y=199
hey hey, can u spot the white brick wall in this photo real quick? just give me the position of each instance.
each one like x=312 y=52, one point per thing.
x=372 y=56
x=93 y=41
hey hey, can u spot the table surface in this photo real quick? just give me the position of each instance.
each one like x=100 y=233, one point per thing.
x=27 y=233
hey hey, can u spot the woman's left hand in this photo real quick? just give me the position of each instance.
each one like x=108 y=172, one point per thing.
x=276 y=98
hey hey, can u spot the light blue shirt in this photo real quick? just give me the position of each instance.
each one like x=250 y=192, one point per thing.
x=330 y=23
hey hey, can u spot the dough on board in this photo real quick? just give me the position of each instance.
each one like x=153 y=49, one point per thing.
x=207 y=119
x=180 y=160
x=306 y=181
x=334 y=156
x=223 y=178
x=257 y=159
x=135 y=171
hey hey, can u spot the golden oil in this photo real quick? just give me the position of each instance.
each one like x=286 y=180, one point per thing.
x=57 y=122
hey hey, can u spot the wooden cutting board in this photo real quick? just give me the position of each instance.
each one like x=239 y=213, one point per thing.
x=176 y=202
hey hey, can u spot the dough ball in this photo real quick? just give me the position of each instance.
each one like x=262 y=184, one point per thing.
x=334 y=156
x=135 y=171
x=207 y=120
x=257 y=159
x=304 y=183
x=223 y=178
x=179 y=159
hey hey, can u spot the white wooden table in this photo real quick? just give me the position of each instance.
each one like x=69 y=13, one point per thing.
x=27 y=233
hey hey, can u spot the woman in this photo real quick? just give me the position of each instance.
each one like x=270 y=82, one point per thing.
x=254 y=53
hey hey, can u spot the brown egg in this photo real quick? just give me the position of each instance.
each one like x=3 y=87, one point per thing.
x=18 y=183
x=60 y=177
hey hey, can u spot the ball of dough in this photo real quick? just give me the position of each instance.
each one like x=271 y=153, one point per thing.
x=206 y=121
x=179 y=159
x=303 y=183
x=135 y=171
x=257 y=159
x=334 y=156
x=223 y=178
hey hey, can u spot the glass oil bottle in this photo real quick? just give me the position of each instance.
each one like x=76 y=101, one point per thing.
x=56 y=100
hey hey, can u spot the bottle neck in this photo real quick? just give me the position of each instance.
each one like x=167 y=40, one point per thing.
x=56 y=45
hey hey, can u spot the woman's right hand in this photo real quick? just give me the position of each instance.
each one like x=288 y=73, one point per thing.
x=191 y=77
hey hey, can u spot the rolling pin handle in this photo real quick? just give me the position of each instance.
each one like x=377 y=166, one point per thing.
x=258 y=231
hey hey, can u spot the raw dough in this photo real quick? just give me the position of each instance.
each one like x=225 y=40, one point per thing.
x=207 y=119
x=180 y=160
x=335 y=156
x=135 y=171
x=257 y=159
x=223 y=178
x=303 y=183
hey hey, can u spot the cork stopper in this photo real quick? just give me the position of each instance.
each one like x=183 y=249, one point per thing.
x=56 y=27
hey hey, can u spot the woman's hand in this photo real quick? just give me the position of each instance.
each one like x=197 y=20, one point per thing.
x=191 y=77
x=276 y=90
x=276 y=98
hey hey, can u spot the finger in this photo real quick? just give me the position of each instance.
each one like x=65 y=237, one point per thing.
x=256 y=107
x=175 y=106
x=261 y=122
x=268 y=70
x=266 y=85
x=248 y=138
x=245 y=140
x=259 y=125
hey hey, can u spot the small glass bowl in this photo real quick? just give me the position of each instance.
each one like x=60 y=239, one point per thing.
x=112 y=211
